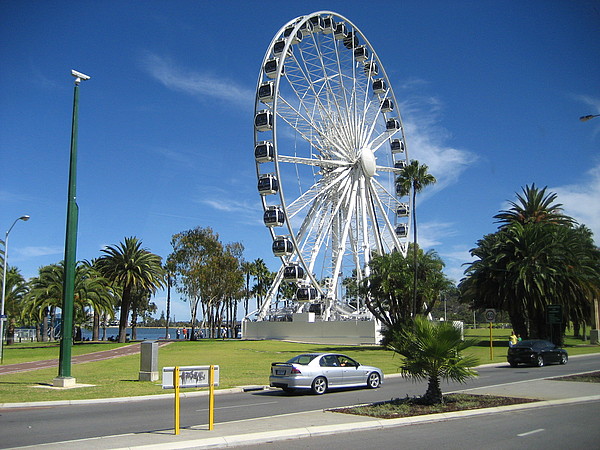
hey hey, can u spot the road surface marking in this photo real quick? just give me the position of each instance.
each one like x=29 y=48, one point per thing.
x=539 y=430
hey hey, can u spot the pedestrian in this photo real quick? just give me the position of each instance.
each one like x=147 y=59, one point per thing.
x=178 y=333
x=512 y=340
x=184 y=333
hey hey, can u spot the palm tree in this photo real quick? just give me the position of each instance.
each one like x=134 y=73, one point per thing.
x=248 y=269
x=16 y=289
x=534 y=206
x=523 y=268
x=262 y=275
x=433 y=351
x=413 y=179
x=131 y=267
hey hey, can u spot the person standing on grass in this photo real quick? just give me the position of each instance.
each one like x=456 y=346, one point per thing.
x=512 y=340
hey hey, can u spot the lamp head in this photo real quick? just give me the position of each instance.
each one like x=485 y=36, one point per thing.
x=79 y=76
x=24 y=218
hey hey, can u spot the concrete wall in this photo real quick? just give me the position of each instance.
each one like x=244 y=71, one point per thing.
x=339 y=333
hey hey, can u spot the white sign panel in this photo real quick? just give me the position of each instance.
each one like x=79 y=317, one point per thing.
x=189 y=376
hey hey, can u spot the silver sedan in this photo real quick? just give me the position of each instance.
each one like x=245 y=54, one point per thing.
x=321 y=371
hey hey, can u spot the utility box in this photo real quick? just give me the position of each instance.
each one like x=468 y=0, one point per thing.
x=149 y=361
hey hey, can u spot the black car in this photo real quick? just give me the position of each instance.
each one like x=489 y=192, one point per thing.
x=536 y=352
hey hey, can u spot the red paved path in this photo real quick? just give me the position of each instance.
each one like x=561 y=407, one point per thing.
x=126 y=350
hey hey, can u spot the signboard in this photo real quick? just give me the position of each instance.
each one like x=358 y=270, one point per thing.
x=490 y=315
x=554 y=314
x=189 y=377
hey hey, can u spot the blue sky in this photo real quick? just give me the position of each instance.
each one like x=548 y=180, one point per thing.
x=490 y=94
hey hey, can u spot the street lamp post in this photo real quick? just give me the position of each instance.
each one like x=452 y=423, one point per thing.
x=64 y=378
x=588 y=117
x=595 y=331
x=24 y=218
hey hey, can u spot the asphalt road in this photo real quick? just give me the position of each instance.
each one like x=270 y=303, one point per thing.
x=31 y=426
x=555 y=427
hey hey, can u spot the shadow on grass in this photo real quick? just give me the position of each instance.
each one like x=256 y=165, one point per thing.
x=23 y=383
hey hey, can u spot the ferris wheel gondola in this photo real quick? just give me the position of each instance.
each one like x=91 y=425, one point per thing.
x=329 y=143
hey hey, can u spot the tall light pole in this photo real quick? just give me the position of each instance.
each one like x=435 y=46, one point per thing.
x=24 y=218
x=64 y=378
x=595 y=331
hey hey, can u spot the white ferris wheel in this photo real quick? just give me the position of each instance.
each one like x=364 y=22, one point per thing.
x=328 y=144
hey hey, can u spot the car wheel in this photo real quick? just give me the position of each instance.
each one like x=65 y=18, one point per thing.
x=513 y=364
x=373 y=380
x=319 y=385
x=564 y=359
x=540 y=361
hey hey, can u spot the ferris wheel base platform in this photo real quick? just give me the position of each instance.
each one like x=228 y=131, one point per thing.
x=345 y=332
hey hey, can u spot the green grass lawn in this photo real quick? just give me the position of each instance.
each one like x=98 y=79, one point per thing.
x=240 y=362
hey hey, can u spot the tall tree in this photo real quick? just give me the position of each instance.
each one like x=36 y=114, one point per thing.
x=432 y=351
x=538 y=257
x=16 y=289
x=389 y=289
x=169 y=273
x=262 y=277
x=130 y=267
x=248 y=269
x=534 y=206
x=208 y=273
x=412 y=180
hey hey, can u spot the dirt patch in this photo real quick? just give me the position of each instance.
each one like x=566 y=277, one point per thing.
x=591 y=377
x=407 y=407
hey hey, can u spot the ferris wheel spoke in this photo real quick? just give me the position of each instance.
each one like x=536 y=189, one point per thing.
x=383 y=212
x=322 y=163
x=329 y=207
x=321 y=187
x=339 y=252
x=303 y=82
x=310 y=131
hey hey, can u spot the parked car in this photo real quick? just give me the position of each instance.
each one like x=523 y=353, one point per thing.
x=536 y=352
x=318 y=372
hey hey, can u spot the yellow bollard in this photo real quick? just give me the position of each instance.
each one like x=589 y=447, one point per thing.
x=176 y=386
x=211 y=397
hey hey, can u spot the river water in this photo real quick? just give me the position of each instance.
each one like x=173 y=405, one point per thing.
x=141 y=333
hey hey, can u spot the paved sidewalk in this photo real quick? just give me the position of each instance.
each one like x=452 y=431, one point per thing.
x=319 y=423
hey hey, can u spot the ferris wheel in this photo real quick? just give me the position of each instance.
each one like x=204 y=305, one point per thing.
x=328 y=144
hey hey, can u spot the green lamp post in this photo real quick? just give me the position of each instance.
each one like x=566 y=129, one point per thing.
x=64 y=378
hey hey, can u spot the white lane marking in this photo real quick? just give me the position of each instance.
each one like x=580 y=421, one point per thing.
x=239 y=406
x=539 y=430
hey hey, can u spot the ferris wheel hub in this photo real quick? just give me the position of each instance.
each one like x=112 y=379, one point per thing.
x=368 y=163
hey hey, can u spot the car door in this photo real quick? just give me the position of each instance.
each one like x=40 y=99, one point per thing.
x=331 y=369
x=553 y=355
x=351 y=371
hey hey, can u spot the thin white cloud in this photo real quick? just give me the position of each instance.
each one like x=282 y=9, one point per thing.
x=203 y=85
x=580 y=201
x=426 y=142
x=34 y=252
x=431 y=234
x=179 y=157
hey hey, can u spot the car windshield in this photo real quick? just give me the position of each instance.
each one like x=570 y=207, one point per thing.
x=302 y=359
